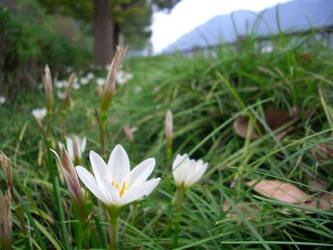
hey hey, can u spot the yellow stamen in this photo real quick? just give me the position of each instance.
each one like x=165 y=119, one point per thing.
x=122 y=190
x=115 y=185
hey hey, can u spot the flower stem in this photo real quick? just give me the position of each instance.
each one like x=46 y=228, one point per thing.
x=113 y=224
x=101 y=125
x=180 y=194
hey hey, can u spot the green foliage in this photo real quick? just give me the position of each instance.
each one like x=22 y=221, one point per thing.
x=204 y=108
x=27 y=46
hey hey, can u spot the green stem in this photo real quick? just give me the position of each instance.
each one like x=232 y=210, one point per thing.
x=56 y=192
x=101 y=120
x=168 y=154
x=180 y=194
x=113 y=213
x=63 y=123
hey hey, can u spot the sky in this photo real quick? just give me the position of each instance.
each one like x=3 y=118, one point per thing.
x=188 y=14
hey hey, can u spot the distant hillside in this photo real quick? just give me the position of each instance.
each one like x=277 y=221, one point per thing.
x=297 y=15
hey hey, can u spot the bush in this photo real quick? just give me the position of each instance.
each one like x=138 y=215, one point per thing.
x=26 y=48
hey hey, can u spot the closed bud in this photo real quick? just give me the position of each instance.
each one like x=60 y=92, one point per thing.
x=7 y=168
x=168 y=125
x=129 y=131
x=70 y=176
x=110 y=84
x=48 y=88
x=5 y=220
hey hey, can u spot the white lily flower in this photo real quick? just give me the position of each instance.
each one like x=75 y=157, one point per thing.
x=75 y=147
x=2 y=99
x=114 y=183
x=61 y=95
x=123 y=77
x=100 y=81
x=186 y=171
x=76 y=85
x=90 y=76
x=84 y=80
x=39 y=114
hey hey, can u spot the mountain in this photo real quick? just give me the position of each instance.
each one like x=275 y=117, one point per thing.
x=293 y=16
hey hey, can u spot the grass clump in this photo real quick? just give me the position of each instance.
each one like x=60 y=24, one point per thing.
x=206 y=96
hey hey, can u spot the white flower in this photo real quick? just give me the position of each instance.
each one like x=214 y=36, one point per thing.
x=75 y=147
x=39 y=114
x=90 y=76
x=76 y=85
x=100 y=81
x=114 y=183
x=123 y=77
x=84 y=80
x=61 y=95
x=186 y=171
x=2 y=99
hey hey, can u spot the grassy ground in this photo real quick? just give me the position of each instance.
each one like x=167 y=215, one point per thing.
x=206 y=96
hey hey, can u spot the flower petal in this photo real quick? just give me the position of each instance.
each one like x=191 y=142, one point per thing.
x=138 y=192
x=69 y=144
x=99 y=167
x=197 y=173
x=118 y=164
x=110 y=193
x=90 y=182
x=83 y=144
x=140 y=173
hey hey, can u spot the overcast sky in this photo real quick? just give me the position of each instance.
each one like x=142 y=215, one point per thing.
x=188 y=14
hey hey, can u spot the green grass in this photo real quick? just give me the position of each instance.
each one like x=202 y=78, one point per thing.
x=206 y=95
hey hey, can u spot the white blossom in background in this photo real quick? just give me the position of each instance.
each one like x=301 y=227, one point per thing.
x=2 y=99
x=39 y=114
x=186 y=171
x=60 y=84
x=90 y=76
x=84 y=80
x=75 y=147
x=123 y=77
x=100 y=81
x=114 y=183
x=76 y=85
x=61 y=95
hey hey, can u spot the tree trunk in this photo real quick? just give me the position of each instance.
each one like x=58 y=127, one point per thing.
x=104 y=39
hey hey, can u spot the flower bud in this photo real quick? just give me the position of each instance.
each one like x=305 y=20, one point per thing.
x=129 y=131
x=5 y=220
x=110 y=84
x=70 y=176
x=168 y=125
x=48 y=88
x=7 y=168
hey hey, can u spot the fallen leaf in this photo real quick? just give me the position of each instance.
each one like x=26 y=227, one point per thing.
x=247 y=209
x=323 y=202
x=323 y=152
x=275 y=118
x=317 y=185
x=281 y=191
x=241 y=125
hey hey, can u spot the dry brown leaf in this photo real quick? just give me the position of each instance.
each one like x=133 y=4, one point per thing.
x=241 y=125
x=323 y=152
x=317 y=185
x=323 y=202
x=281 y=191
x=275 y=118
x=247 y=209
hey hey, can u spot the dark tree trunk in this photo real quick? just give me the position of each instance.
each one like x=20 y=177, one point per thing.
x=104 y=39
x=116 y=32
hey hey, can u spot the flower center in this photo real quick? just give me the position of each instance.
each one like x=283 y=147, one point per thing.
x=122 y=188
